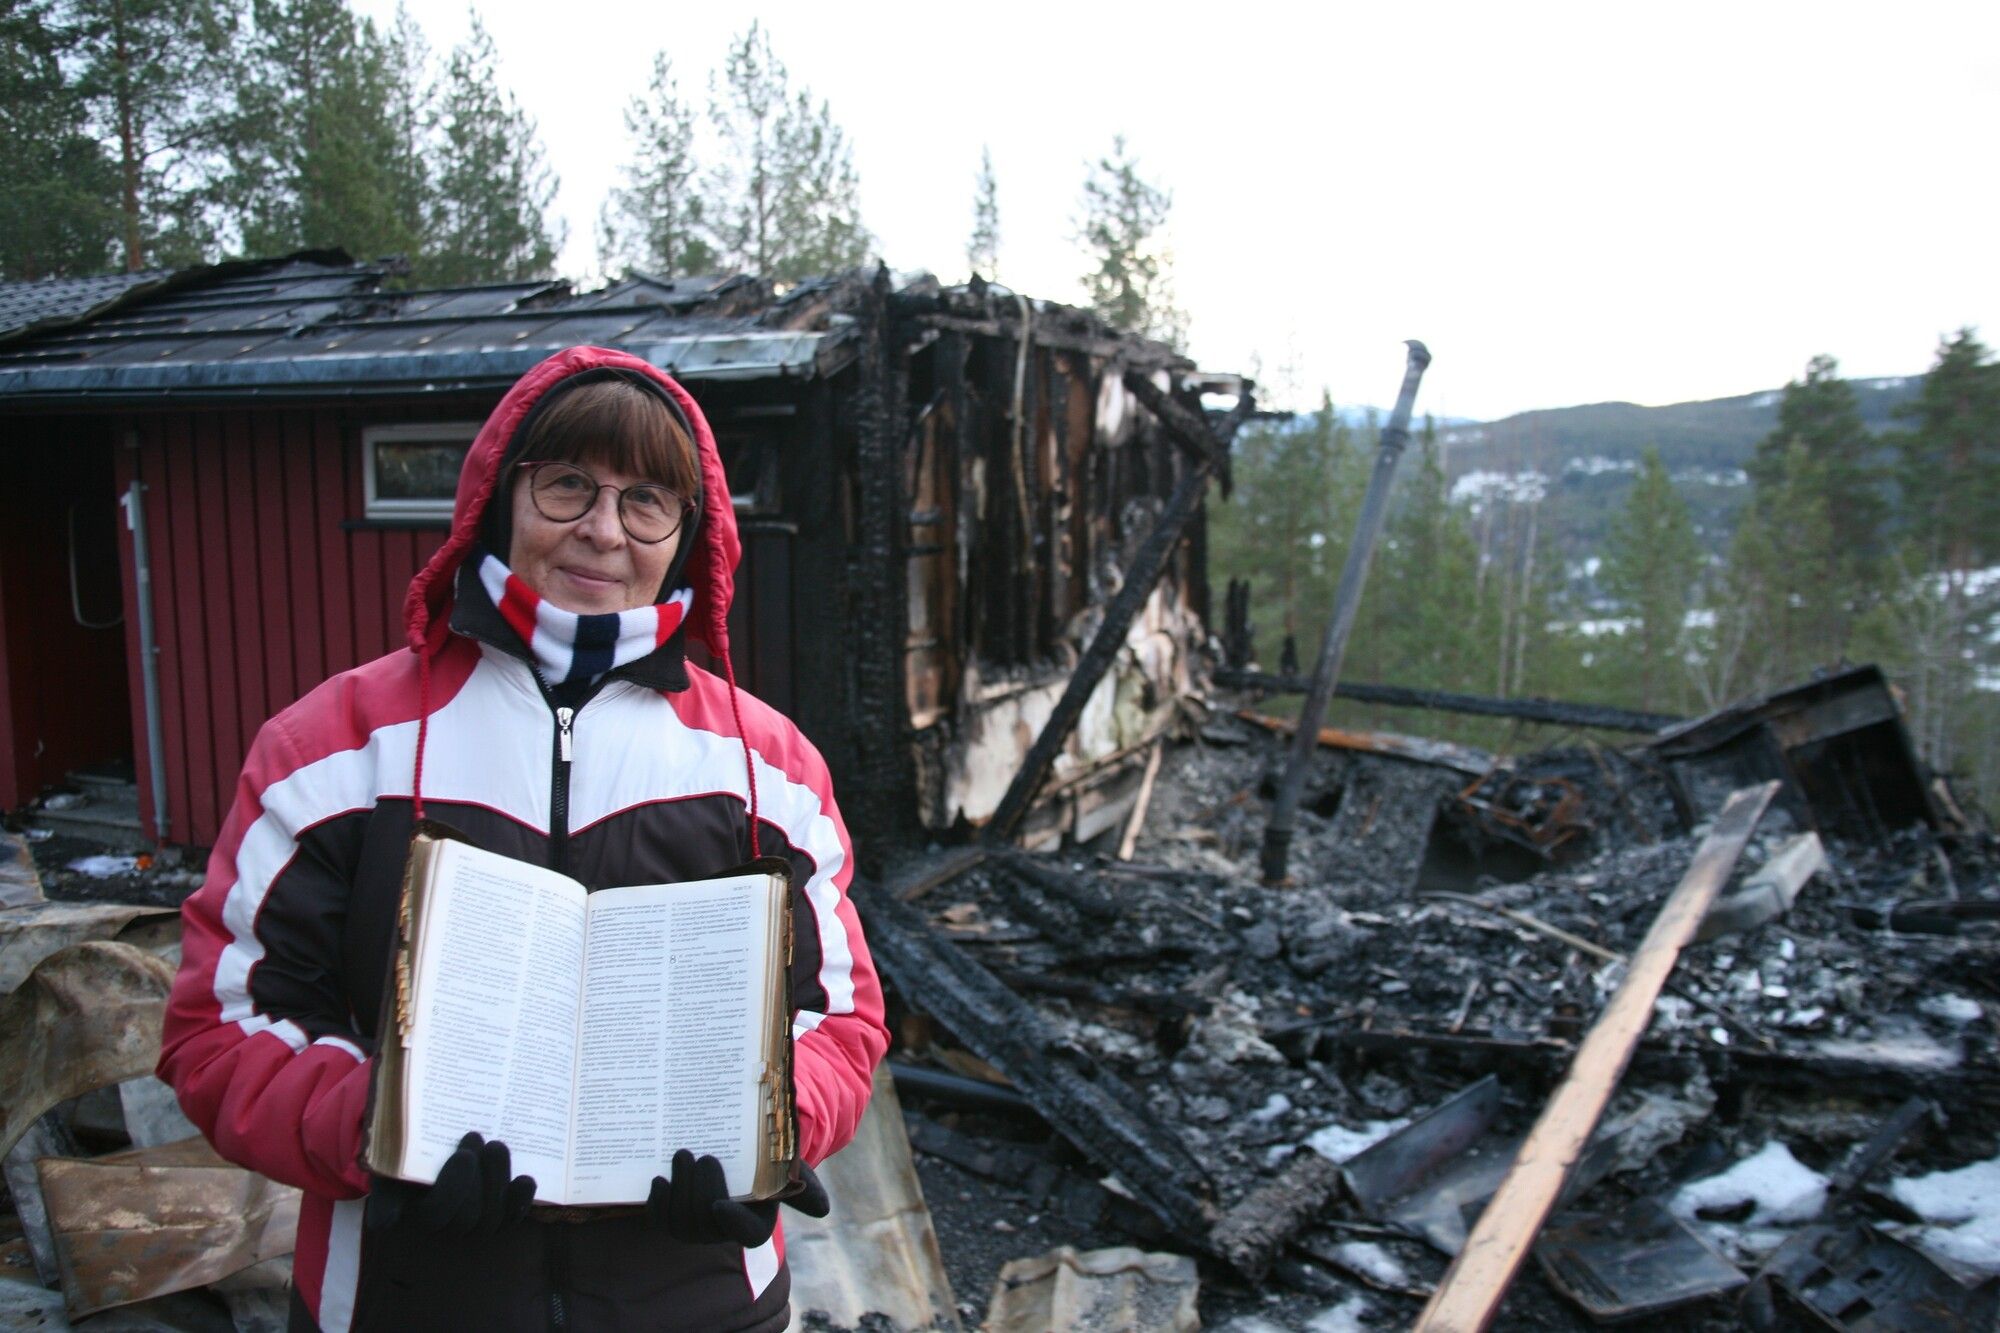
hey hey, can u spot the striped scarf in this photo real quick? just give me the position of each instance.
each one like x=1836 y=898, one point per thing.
x=568 y=646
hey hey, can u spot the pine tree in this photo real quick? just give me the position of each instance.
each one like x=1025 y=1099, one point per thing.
x=982 y=251
x=493 y=191
x=1819 y=415
x=784 y=193
x=1950 y=482
x=653 y=222
x=1783 y=607
x=57 y=215
x=1650 y=570
x=1130 y=282
x=1436 y=632
x=335 y=154
x=156 y=77
x=1282 y=528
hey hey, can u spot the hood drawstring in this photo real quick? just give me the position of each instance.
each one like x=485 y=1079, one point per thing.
x=423 y=731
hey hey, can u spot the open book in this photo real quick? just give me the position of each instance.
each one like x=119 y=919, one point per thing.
x=593 y=1033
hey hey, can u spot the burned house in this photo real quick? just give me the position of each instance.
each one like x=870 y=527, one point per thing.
x=221 y=480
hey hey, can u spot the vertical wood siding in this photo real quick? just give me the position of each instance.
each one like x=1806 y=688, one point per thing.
x=259 y=593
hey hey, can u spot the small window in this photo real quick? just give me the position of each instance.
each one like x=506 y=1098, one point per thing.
x=411 y=472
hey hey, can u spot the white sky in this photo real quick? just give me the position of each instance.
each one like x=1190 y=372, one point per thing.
x=1569 y=203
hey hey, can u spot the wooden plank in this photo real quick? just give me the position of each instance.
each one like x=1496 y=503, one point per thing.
x=1472 y=1288
x=1130 y=842
x=292 y=444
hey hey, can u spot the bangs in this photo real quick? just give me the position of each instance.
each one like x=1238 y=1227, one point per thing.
x=620 y=426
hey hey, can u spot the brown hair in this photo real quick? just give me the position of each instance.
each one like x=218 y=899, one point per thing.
x=620 y=425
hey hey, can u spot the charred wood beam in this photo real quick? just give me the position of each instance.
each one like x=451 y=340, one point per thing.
x=1106 y=1120
x=1553 y=711
x=882 y=803
x=1251 y=1234
x=971 y=1094
x=1164 y=1004
x=1275 y=856
x=1061 y=340
x=1148 y=563
x=1045 y=1184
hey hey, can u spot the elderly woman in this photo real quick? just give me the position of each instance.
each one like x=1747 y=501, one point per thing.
x=546 y=709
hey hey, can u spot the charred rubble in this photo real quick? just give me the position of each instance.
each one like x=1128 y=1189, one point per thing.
x=1313 y=1088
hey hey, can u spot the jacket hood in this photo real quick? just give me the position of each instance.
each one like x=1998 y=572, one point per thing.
x=709 y=567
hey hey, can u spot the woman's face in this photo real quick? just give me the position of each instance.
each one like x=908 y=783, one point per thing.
x=591 y=565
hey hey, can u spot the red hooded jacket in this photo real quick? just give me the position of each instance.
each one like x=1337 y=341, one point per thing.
x=275 y=1012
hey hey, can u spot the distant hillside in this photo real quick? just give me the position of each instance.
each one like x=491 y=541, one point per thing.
x=1579 y=461
x=1718 y=434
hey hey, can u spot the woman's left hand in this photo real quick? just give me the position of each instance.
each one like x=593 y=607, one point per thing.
x=694 y=1207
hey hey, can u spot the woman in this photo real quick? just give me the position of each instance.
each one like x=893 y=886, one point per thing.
x=544 y=708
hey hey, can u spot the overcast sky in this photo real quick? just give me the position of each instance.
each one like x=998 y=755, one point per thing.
x=1568 y=203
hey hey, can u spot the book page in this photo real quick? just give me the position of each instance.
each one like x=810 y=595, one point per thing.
x=673 y=1019
x=493 y=1035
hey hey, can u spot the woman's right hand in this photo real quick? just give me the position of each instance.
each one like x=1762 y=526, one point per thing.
x=475 y=1192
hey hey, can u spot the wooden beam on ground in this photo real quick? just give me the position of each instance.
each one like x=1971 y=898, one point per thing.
x=1554 y=712
x=1471 y=1291
x=1130 y=842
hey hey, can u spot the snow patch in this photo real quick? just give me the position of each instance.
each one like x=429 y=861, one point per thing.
x=1482 y=485
x=1337 y=1142
x=1276 y=1106
x=1951 y=1008
x=104 y=867
x=1782 y=1188
x=1345 y=1317
x=1373 y=1261
x=1597 y=465
x=1963 y=1210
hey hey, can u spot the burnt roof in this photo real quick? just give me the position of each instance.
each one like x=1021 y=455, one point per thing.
x=51 y=302
x=318 y=323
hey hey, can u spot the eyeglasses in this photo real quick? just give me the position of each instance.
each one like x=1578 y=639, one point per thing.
x=564 y=493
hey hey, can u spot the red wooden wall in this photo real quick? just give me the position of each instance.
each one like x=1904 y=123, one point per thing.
x=62 y=683
x=259 y=591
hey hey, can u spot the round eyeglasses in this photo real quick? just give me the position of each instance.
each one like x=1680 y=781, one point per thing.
x=564 y=493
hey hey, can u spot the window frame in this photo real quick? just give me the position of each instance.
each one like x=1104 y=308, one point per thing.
x=377 y=508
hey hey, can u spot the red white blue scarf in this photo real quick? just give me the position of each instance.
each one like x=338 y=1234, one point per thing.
x=568 y=646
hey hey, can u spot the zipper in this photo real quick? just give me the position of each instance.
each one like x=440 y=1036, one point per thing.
x=559 y=789
x=565 y=752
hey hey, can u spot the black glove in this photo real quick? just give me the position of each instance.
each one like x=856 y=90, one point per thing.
x=475 y=1192
x=694 y=1207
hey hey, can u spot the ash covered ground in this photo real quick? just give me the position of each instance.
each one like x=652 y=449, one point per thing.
x=1253 y=1020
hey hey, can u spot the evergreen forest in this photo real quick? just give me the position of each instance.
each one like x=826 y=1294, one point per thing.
x=1665 y=559
x=1847 y=540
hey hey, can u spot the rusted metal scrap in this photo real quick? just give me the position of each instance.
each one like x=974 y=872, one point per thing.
x=1540 y=814
x=1416 y=749
x=85 y=1018
x=30 y=934
x=138 y=1224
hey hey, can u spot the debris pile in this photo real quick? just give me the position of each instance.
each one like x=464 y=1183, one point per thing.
x=1315 y=1087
